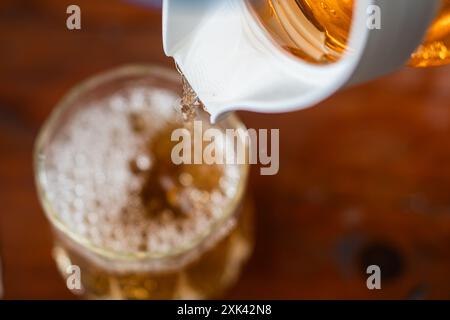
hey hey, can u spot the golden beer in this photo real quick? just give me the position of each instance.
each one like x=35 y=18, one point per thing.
x=137 y=225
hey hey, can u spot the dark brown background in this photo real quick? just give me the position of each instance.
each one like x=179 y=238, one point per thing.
x=364 y=177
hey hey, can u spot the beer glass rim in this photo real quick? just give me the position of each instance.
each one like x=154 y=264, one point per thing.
x=50 y=125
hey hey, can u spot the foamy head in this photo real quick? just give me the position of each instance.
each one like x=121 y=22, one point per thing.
x=110 y=179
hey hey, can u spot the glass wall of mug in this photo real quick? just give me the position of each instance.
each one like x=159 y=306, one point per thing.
x=128 y=222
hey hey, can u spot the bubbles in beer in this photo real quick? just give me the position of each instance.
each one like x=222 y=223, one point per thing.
x=113 y=181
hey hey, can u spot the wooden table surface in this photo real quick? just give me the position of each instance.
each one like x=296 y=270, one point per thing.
x=364 y=177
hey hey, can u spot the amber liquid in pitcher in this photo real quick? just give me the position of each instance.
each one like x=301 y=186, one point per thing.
x=318 y=30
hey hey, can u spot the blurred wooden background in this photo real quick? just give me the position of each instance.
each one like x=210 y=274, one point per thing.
x=364 y=177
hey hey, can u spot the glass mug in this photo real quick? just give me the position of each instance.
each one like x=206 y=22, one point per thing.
x=181 y=236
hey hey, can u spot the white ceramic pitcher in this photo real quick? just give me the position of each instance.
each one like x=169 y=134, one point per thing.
x=232 y=64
